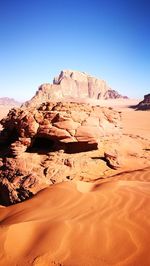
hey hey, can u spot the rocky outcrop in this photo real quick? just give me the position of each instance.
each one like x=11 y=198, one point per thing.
x=41 y=145
x=62 y=123
x=73 y=85
x=113 y=158
x=145 y=104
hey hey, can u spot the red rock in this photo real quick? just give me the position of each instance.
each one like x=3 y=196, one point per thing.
x=67 y=125
x=113 y=159
x=65 y=122
x=40 y=140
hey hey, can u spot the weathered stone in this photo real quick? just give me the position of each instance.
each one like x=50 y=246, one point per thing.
x=145 y=104
x=113 y=159
x=41 y=143
x=67 y=122
x=73 y=85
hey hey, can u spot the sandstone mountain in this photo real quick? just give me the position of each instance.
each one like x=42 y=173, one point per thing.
x=5 y=101
x=145 y=104
x=73 y=85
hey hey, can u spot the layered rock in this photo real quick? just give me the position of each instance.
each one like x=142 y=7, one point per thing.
x=113 y=158
x=41 y=144
x=62 y=123
x=73 y=84
x=145 y=104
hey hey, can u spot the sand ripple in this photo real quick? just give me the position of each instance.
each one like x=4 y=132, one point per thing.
x=80 y=224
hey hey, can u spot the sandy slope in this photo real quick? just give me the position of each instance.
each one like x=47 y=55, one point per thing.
x=74 y=224
x=84 y=224
x=136 y=122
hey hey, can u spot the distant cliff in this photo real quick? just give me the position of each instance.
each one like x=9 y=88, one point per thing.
x=145 y=104
x=71 y=85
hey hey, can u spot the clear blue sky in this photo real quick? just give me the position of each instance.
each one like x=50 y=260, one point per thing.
x=109 y=39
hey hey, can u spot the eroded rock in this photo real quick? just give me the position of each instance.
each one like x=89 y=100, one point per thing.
x=44 y=145
x=145 y=104
x=73 y=85
x=61 y=123
x=113 y=158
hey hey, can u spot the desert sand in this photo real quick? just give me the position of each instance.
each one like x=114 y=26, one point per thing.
x=136 y=122
x=77 y=223
x=4 y=111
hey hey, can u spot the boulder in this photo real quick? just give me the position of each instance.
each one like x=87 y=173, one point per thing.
x=113 y=158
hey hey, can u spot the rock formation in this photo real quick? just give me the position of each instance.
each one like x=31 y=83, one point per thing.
x=73 y=85
x=145 y=104
x=113 y=158
x=41 y=146
x=112 y=94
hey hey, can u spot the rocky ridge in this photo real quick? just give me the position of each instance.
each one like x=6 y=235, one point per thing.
x=73 y=85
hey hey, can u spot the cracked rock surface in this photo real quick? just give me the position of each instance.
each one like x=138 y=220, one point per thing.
x=45 y=145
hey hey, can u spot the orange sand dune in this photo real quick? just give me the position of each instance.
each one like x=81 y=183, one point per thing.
x=80 y=224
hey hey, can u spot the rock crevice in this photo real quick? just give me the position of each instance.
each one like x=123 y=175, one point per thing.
x=41 y=145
